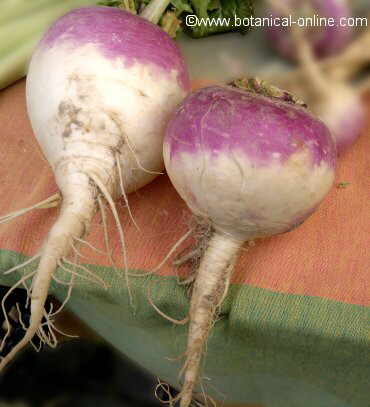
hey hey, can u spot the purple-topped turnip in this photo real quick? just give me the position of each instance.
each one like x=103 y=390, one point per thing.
x=336 y=102
x=341 y=108
x=325 y=38
x=101 y=86
x=250 y=164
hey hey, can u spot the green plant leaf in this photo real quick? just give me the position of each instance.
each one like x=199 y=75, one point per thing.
x=219 y=16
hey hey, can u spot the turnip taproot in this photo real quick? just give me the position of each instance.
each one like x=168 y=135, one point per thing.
x=250 y=166
x=100 y=88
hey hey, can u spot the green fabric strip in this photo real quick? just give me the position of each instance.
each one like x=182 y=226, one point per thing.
x=276 y=349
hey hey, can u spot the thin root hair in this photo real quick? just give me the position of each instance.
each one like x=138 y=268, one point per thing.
x=113 y=208
x=174 y=359
x=166 y=389
x=94 y=280
x=11 y=289
x=172 y=250
x=77 y=252
x=62 y=332
x=48 y=337
x=168 y=255
x=37 y=348
x=222 y=395
x=25 y=263
x=123 y=192
x=181 y=260
x=187 y=280
x=86 y=270
x=161 y=313
x=227 y=284
x=23 y=325
x=106 y=236
x=68 y=296
x=203 y=232
x=50 y=202
x=128 y=142
x=57 y=280
x=89 y=245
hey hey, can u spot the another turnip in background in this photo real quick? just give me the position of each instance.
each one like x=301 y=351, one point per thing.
x=325 y=39
x=335 y=101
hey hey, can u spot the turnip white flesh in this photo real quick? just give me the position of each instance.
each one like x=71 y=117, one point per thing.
x=325 y=40
x=251 y=166
x=101 y=86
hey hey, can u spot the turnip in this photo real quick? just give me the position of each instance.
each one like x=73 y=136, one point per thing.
x=326 y=39
x=249 y=164
x=101 y=86
x=336 y=102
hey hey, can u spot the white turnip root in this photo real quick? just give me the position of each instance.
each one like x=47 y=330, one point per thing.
x=344 y=66
x=250 y=165
x=335 y=101
x=101 y=86
x=325 y=39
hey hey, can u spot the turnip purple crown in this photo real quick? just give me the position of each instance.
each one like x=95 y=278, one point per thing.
x=253 y=165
